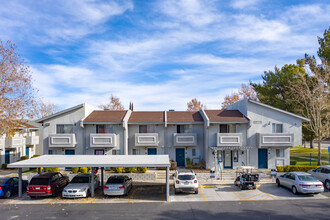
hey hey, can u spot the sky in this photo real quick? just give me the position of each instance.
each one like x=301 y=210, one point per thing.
x=157 y=54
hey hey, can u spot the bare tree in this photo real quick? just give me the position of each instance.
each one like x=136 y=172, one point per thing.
x=311 y=91
x=17 y=94
x=195 y=105
x=114 y=104
x=42 y=109
x=246 y=91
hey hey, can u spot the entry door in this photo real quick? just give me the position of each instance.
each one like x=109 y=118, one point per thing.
x=263 y=158
x=7 y=156
x=99 y=152
x=227 y=160
x=180 y=157
x=152 y=151
x=69 y=152
x=27 y=152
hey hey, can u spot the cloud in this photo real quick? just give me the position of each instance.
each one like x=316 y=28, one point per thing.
x=242 y=4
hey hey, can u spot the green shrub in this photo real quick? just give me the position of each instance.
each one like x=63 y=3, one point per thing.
x=142 y=169
x=117 y=169
x=83 y=170
x=25 y=157
x=189 y=162
x=293 y=162
x=75 y=169
x=51 y=169
x=130 y=169
x=293 y=168
x=4 y=166
x=36 y=155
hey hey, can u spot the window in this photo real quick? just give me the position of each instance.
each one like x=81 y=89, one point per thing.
x=104 y=129
x=146 y=129
x=136 y=151
x=99 y=152
x=279 y=152
x=184 y=128
x=194 y=152
x=235 y=156
x=64 y=129
x=115 y=152
x=277 y=128
x=50 y=152
x=224 y=128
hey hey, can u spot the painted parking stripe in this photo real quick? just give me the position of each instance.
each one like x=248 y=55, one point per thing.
x=202 y=194
x=131 y=196
x=325 y=195
x=254 y=196
x=203 y=186
x=267 y=194
x=247 y=192
x=234 y=193
x=53 y=200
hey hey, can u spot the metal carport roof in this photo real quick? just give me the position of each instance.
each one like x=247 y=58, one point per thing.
x=94 y=161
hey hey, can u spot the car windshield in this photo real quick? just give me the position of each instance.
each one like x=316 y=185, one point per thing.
x=186 y=177
x=115 y=180
x=306 y=178
x=80 y=180
x=39 y=181
x=2 y=181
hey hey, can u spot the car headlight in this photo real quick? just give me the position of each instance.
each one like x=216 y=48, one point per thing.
x=64 y=190
x=82 y=190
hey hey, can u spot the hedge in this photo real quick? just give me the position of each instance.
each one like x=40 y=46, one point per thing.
x=291 y=168
x=4 y=166
x=117 y=169
x=24 y=157
x=142 y=169
x=51 y=169
x=130 y=169
x=83 y=170
x=36 y=155
x=75 y=169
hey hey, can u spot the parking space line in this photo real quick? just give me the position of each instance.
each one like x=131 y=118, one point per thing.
x=131 y=196
x=202 y=194
x=207 y=186
x=325 y=195
x=254 y=196
x=246 y=192
x=267 y=193
x=234 y=193
x=91 y=201
x=52 y=200
x=266 y=198
x=83 y=201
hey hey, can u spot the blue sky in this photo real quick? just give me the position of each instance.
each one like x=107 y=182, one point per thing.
x=157 y=54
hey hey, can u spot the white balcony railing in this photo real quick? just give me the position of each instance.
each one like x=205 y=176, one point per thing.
x=275 y=139
x=229 y=140
x=103 y=140
x=184 y=139
x=15 y=142
x=146 y=139
x=62 y=140
x=32 y=140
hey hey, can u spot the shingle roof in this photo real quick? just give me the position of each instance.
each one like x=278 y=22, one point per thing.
x=184 y=116
x=147 y=116
x=225 y=115
x=105 y=116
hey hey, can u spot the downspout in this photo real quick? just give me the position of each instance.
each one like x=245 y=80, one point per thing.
x=206 y=145
x=125 y=127
x=165 y=134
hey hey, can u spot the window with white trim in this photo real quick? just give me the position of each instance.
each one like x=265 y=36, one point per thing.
x=136 y=151
x=277 y=128
x=115 y=152
x=64 y=129
x=193 y=152
x=279 y=152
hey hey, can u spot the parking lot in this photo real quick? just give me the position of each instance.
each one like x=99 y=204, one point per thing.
x=156 y=193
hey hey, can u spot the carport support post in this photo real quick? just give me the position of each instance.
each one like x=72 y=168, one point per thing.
x=102 y=169
x=167 y=184
x=19 y=182
x=92 y=183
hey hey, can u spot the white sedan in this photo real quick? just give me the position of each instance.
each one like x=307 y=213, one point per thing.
x=80 y=186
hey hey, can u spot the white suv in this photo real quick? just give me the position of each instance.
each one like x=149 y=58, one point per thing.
x=323 y=174
x=185 y=181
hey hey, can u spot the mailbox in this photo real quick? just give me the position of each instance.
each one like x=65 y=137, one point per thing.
x=212 y=174
x=273 y=172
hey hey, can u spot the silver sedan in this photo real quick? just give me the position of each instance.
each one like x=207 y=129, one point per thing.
x=300 y=182
x=118 y=185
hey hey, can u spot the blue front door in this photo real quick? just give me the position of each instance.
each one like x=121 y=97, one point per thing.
x=262 y=158
x=152 y=151
x=69 y=152
x=7 y=156
x=180 y=157
x=27 y=152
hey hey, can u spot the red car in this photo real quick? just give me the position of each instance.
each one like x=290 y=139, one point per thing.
x=47 y=184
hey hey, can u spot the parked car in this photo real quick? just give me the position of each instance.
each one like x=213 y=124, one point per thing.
x=118 y=185
x=47 y=184
x=300 y=182
x=80 y=186
x=322 y=173
x=185 y=181
x=9 y=186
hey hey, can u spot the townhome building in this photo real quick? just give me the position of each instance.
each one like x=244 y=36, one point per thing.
x=246 y=133
x=25 y=142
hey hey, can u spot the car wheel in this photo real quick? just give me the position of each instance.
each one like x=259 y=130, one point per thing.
x=294 y=190
x=278 y=183
x=327 y=184
x=241 y=187
x=8 y=194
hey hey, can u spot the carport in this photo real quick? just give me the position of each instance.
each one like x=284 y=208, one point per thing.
x=94 y=161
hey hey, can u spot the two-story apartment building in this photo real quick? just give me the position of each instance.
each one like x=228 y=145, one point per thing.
x=245 y=133
x=24 y=142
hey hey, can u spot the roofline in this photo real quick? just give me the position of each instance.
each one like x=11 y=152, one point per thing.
x=229 y=122
x=185 y=122
x=102 y=122
x=144 y=123
x=60 y=113
x=279 y=110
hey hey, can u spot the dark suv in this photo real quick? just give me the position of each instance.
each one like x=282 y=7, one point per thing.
x=47 y=184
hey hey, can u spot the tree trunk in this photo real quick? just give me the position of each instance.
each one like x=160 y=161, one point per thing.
x=319 y=156
x=311 y=143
